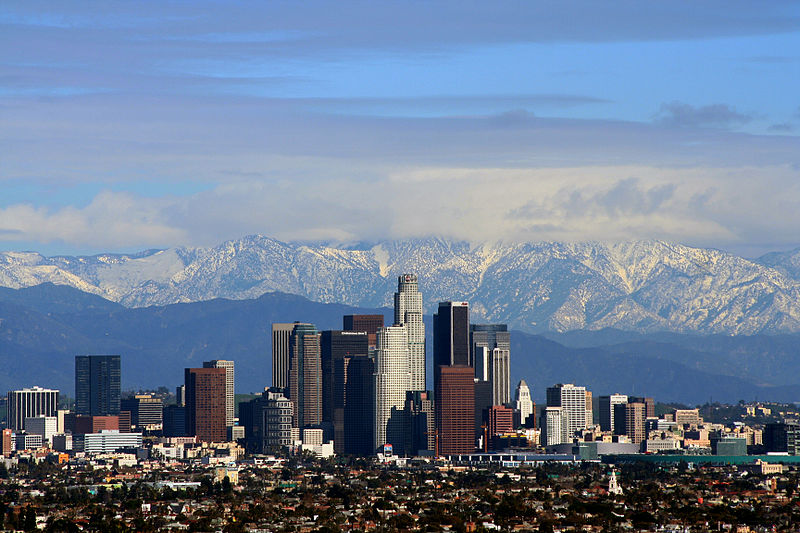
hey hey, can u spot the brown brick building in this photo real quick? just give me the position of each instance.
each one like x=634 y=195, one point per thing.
x=205 y=403
x=455 y=408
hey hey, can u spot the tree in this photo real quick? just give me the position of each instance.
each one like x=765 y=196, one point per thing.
x=30 y=520
x=227 y=488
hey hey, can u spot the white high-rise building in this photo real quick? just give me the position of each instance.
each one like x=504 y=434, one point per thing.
x=229 y=387
x=25 y=403
x=552 y=426
x=392 y=380
x=572 y=401
x=408 y=313
x=523 y=401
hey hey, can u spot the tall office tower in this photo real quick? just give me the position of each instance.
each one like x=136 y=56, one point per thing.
x=455 y=408
x=408 y=313
x=392 y=380
x=27 y=403
x=572 y=401
x=335 y=346
x=97 y=385
x=606 y=408
x=229 y=387
x=649 y=405
x=523 y=401
x=147 y=412
x=350 y=386
x=630 y=420
x=490 y=346
x=451 y=335
x=551 y=426
x=420 y=428
x=359 y=407
x=370 y=324
x=305 y=375
x=205 y=403
x=589 y=409
x=280 y=354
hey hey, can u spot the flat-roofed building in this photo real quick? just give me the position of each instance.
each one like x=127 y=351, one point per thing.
x=455 y=409
x=205 y=404
x=28 y=403
x=229 y=387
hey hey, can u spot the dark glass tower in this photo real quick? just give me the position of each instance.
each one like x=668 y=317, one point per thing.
x=335 y=346
x=453 y=379
x=359 y=406
x=97 y=385
x=451 y=335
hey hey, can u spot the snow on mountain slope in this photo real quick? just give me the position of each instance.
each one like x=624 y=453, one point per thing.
x=642 y=285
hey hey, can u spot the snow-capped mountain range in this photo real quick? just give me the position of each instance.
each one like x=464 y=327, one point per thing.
x=642 y=285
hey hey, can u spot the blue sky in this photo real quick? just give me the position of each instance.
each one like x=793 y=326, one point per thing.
x=138 y=125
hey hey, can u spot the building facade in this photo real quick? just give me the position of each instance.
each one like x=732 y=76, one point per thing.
x=455 y=409
x=230 y=387
x=335 y=347
x=606 y=407
x=281 y=332
x=523 y=401
x=205 y=404
x=267 y=422
x=408 y=313
x=420 y=428
x=552 y=432
x=451 y=335
x=572 y=401
x=630 y=421
x=97 y=385
x=147 y=412
x=359 y=407
x=369 y=324
x=392 y=380
x=26 y=403
x=490 y=347
x=305 y=376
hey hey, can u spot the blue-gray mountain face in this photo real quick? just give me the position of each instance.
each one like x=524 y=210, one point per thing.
x=639 y=286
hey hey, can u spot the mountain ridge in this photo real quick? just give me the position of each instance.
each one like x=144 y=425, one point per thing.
x=645 y=286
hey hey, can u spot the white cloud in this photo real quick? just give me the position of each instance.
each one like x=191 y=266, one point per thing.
x=110 y=219
x=709 y=206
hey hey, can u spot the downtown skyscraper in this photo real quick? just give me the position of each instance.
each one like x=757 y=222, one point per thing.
x=205 y=403
x=490 y=353
x=408 y=313
x=572 y=401
x=305 y=375
x=454 y=379
x=392 y=381
x=97 y=385
x=229 y=386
